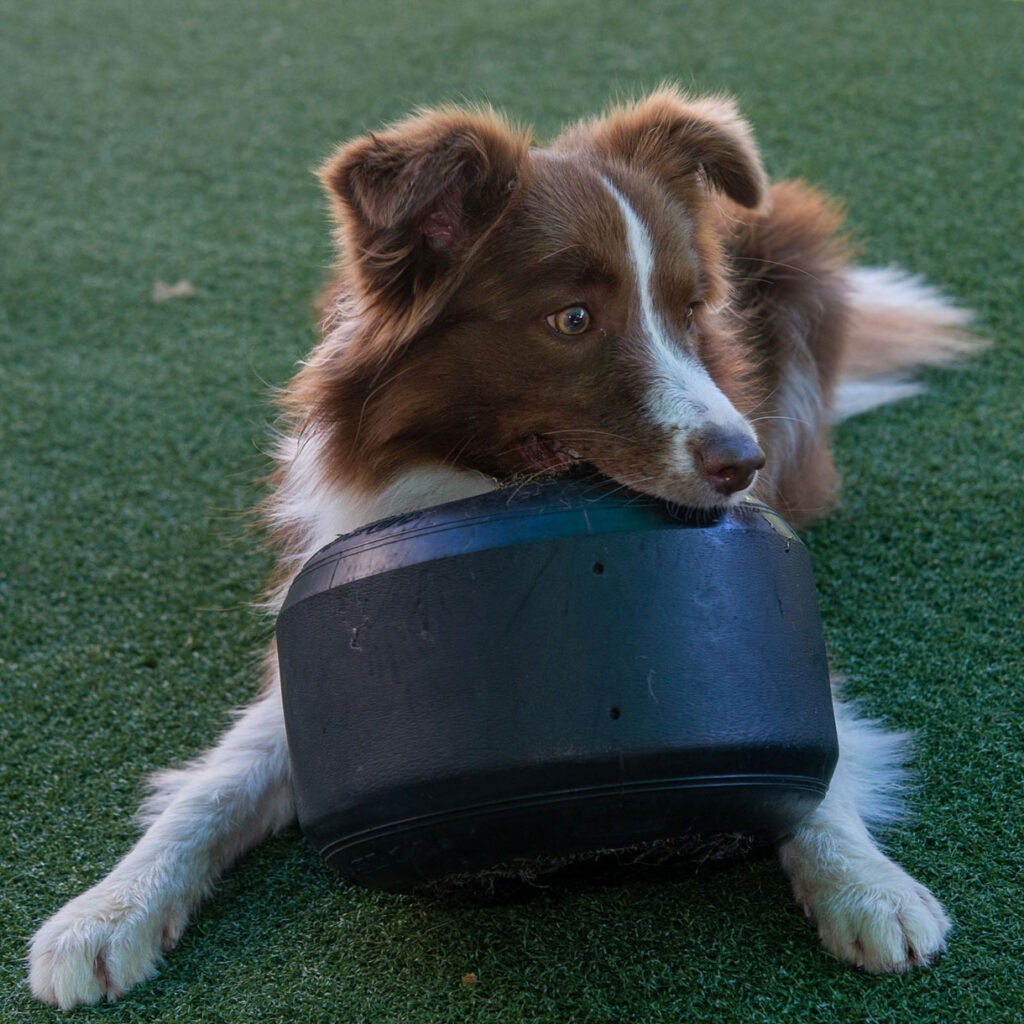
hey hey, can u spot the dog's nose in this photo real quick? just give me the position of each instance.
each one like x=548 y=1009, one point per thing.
x=728 y=461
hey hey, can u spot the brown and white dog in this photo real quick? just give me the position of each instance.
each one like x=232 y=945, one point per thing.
x=633 y=296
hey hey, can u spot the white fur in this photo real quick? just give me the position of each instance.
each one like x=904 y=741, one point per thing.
x=320 y=509
x=895 y=288
x=683 y=397
x=315 y=509
x=869 y=912
x=853 y=397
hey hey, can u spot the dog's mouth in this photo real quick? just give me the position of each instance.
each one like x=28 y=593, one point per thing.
x=539 y=453
x=545 y=454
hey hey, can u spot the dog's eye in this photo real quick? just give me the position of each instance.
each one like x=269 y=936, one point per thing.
x=571 y=321
x=691 y=312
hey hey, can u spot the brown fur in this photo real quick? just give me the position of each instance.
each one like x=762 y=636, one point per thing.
x=789 y=291
x=676 y=138
x=457 y=239
x=411 y=203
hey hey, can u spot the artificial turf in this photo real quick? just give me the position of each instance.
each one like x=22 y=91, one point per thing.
x=146 y=141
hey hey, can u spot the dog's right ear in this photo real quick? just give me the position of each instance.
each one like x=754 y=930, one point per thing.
x=681 y=140
x=412 y=201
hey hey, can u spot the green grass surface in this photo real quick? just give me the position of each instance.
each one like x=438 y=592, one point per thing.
x=144 y=141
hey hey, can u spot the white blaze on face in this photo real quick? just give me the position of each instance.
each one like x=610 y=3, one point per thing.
x=683 y=397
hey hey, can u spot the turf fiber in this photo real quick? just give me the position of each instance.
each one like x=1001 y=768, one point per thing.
x=159 y=141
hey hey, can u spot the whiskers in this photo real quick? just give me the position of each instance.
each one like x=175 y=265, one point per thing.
x=796 y=271
x=789 y=419
x=586 y=432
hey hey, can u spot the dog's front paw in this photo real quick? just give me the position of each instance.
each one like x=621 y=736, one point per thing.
x=97 y=947
x=886 y=923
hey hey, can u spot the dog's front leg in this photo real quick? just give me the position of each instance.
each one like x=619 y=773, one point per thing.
x=869 y=912
x=201 y=819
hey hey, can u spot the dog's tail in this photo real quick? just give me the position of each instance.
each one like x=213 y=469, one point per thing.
x=898 y=323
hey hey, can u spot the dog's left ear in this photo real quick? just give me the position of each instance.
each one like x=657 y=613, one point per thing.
x=413 y=200
x=678 y=138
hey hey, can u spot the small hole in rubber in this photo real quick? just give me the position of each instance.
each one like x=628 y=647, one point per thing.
x=615 y=713
x=598 y=568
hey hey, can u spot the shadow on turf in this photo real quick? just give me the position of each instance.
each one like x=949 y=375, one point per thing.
x=650 y=863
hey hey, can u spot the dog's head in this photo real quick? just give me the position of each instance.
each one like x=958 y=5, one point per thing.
x=509 y=308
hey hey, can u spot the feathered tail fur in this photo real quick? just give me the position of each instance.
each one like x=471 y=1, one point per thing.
x=897 y=324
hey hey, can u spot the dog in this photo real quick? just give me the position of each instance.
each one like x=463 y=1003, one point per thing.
x=633 y=296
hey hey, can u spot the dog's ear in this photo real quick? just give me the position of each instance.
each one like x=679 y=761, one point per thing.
x=414 y=199
x=678 y=138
